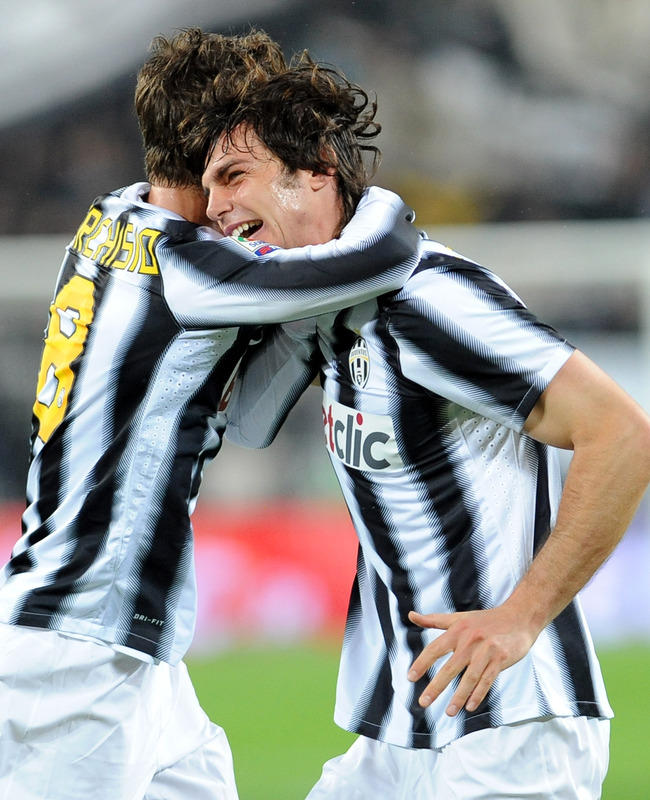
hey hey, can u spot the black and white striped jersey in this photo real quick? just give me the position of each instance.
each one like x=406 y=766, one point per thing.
x=425 y=395
x=150 y=318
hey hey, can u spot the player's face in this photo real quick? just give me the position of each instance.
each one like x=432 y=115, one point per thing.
x=251 y=194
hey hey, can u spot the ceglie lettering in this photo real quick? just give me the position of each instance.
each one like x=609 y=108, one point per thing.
x=117 y=245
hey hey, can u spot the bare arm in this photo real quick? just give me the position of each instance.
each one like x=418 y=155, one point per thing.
x=583 y=410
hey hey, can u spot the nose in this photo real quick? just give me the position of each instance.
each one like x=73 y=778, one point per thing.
x=219 y=203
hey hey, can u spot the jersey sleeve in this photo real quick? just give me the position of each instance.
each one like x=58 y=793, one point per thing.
x=272 y=376
x=228 y=283
x=462 y=334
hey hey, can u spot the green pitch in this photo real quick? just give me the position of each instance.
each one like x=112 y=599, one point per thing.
x=276 y=706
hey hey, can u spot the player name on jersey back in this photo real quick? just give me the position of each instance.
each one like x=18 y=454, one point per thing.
x=117 y=244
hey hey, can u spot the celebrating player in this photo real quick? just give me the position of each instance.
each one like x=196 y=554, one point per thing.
x=151 y=314
x=467 y=667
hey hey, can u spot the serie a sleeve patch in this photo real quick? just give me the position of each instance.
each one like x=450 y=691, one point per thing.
x=258 y=248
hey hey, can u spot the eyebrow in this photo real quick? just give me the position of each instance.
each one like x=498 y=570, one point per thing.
x=223 y=169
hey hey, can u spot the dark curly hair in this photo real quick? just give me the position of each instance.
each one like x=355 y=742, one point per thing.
x=179 y=77
x=311 y=117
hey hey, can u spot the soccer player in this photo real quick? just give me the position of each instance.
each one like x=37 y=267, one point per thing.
x=151 y=314
x=467 y=668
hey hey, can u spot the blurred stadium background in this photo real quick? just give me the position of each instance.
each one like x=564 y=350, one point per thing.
x=519 y=132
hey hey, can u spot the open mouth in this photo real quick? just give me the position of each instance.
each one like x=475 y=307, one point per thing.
x=247 y=229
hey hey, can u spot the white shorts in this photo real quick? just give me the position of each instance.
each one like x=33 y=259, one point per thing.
x=79 y=720
x=558 y=758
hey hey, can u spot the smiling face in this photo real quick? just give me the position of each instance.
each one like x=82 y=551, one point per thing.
x=251 y=194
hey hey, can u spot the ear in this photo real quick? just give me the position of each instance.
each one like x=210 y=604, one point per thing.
x=319 y=180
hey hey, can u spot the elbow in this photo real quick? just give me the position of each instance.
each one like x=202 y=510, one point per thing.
x=633 y=443
x=643 y=446
x=248 y=438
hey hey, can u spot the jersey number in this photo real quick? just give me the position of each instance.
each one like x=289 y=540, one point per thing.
x=70 y=316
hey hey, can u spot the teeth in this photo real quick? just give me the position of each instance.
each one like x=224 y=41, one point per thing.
x=245 y=226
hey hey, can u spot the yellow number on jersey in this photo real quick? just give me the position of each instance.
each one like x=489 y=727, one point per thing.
x=70 y=315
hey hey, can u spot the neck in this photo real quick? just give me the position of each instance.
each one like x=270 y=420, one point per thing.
x=189 y=202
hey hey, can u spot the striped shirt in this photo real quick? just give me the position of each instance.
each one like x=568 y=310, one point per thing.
x=150 y=318
x=425 y=394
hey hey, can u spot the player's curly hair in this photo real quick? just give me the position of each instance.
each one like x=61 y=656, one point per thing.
x=311 y=117
x=179 y=77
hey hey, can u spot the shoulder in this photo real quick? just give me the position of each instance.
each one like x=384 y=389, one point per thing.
x=443 y=274
x=130 y=206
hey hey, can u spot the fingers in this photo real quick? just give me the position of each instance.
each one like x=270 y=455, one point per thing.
x=431 y=653
x=472 y=689
x=434 y=650
x=478 y=656
x=440 y=621
x=444 y=676
x=481 y=689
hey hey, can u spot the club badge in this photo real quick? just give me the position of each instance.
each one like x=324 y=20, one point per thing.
x=359 y=363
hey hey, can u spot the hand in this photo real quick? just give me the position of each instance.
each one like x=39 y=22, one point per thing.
x=483 y=643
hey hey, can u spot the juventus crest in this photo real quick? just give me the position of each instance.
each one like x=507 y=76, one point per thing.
x=359 y=363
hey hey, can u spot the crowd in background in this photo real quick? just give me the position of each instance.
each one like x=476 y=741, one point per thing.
x=493 y=110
